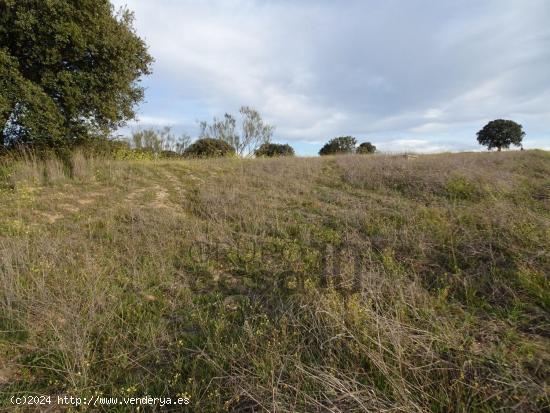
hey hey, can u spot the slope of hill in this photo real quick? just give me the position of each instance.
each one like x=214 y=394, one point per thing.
x=334 y=284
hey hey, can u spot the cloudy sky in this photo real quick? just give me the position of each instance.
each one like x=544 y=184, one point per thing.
x=421 y=75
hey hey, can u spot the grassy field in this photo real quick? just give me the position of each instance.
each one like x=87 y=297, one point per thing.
x=334 y=284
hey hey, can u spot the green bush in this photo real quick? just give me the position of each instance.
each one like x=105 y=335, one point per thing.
x=341 y=145
x=209 y=148
x=274 y=149
x=366 y=148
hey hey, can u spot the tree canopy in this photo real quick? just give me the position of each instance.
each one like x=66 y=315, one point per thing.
x=274 y=149
x=500 y=134
x=340 y=145
x=209 y=148
x=366 y=148
x=69 y=70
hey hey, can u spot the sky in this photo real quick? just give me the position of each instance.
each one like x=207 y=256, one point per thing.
x=406 y=75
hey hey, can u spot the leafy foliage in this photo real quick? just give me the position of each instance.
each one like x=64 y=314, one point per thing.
x=500 y=134
x=366 y=148
x=274 y=149
x=209 y=148
x=341 y=145
x=69 y=71
x=252 y=133
x=26 y=111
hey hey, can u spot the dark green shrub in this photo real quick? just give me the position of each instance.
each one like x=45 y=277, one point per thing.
x=274 y=149
x=366 y=148
x=209 y=148
x=341 y=145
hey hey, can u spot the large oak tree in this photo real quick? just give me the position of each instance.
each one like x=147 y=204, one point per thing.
x=69 y=70
x=500 y=134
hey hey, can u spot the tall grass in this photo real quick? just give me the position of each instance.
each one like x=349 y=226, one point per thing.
x=291 y=285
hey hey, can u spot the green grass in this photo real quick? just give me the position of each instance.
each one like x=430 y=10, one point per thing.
x=334 y=284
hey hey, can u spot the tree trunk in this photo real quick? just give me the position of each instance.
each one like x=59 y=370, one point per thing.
x=499 y=148
x=4 y=116
x=2 y=127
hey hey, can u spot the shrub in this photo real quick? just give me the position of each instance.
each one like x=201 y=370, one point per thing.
x=209 y=148
x=274 y=149
x=343 y=144
x=366 y=148
x=500 y=134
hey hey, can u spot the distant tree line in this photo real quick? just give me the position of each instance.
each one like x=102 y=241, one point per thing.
x=346 y=145
x=499 y=134
x=222 y=137
x=247 y=136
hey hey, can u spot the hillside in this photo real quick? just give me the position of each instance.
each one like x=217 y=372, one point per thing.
x=334 y=284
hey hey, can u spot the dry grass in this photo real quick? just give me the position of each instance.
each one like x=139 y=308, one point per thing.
x=334 y=284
